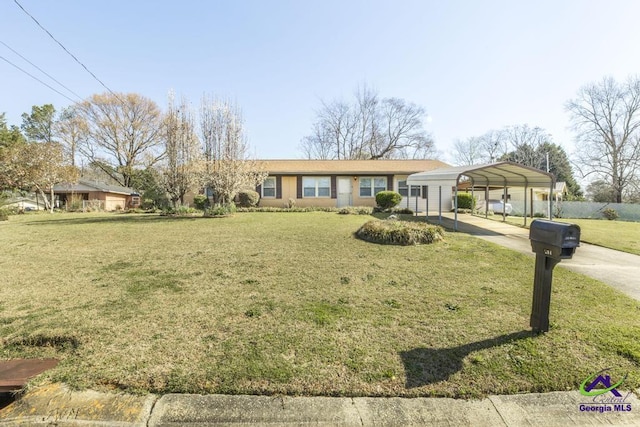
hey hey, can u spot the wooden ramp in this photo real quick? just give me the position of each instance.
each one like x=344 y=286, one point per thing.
x=14 y=374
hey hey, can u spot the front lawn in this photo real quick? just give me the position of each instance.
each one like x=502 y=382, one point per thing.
x=293 y=303
x=619 y=235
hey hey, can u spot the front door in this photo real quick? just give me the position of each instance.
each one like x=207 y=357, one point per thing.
x=344 y=192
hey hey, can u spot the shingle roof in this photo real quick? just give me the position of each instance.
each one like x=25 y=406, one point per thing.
x=87 y=185
x=349 y=167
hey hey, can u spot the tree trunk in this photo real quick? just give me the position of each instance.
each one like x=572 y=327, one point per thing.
x=47 y=205
x=52 y=195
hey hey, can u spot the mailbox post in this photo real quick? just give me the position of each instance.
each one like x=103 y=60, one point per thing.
x=552 y=242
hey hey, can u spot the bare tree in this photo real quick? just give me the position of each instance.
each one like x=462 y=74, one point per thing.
x=524 y=143
x=228 y=167
x=318 y=145
x=468 y=151
x=493 y=144
x=71 y=131
x=369 y=128
x=123 y=132
x=486 y=148
x=179 y=170
x=606 y=117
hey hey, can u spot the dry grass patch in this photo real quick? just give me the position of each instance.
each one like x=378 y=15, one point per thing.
x=295 y=304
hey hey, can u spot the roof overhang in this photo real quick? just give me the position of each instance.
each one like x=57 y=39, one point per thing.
x=501 y=174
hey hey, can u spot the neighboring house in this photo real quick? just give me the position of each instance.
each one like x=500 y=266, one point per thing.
x=90 y=193
x=517 y=194
x=28 y=203
x=337 y=183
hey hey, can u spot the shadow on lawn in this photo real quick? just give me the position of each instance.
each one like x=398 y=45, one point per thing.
x=115 y=218
x=425 y=366
x=463 y=227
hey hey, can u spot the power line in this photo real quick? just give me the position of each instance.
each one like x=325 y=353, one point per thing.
x=37 y=79
x=41 y=70
x=66 y=50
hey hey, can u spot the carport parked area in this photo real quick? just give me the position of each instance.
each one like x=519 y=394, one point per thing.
x=617 y=269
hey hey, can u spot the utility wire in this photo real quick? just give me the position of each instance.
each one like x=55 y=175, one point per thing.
x=41 y=70
x=35 y=78
x=66 y=50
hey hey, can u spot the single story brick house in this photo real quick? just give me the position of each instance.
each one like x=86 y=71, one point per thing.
x=337 y=183
x=96 y=194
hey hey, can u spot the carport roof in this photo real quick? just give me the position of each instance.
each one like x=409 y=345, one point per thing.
x=501 y=174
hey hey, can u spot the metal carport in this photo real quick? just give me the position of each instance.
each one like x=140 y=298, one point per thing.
x=500 y=174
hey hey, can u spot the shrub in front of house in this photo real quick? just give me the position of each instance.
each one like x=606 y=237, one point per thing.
x=292 y=209
x=405 y=211
x=356 y=210
x=466 y=201
x=180 y=211
x=4 y=215
x=200 y=201
x=248 y=199
x=388 y=199
x=148 y=204
x=610 y=214
x=395 y=232
x=220 y=210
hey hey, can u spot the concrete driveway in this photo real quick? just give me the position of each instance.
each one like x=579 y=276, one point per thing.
x=617 y=269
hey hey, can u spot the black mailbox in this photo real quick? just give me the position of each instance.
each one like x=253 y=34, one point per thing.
x=552 y=242
x=554 y=239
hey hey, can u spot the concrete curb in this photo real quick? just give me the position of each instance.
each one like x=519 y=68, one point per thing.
x=57 y=405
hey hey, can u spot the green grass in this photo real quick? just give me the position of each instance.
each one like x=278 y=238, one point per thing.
x=293 y=303
x=620 y=235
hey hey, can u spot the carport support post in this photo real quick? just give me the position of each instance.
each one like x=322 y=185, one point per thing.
x=455 y=207
x=525 y=205
x=486 y=201
x=473 y=198
x=426 y=214
x=504 y=203
x=551 y=200
x=539 y=321
x=440 y=205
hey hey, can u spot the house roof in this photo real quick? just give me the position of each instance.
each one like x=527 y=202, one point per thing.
x=349 y=167
x=506 y=174
x=84 y=185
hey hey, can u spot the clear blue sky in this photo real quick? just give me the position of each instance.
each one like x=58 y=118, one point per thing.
x=473 y=65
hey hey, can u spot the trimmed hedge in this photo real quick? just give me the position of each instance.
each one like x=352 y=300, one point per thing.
x=388 y=199
x=292 y=209
x=356 y=210
x=248 y=199
x=393 y=232
x=466 y=201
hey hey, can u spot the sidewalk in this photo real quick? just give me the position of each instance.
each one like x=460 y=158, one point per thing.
x=56 y=405
x=620 y=270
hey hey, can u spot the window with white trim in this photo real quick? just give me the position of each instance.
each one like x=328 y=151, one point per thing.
x=269 y=187
x=370 y=186
x=403 y=189
x=316 y=186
